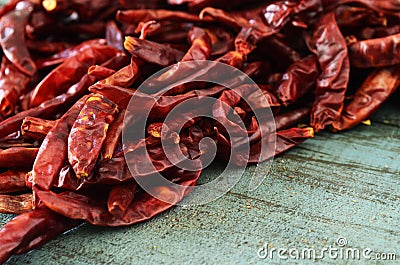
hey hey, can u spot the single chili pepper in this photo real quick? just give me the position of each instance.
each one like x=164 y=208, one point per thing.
x=15 y=204
x=113 y=136
x=114 y=36
x=100 y=72
x=12 y=38
x=70 y=72
x=47 y=167
x=12 y=181
x=17 y=157
x=143 y=206
x=36 y=128
x=152 y=52
x=378 y=86
x=88 y=134
x=299 y=79
x=31 y=230
x=375 y=52
x=13 y=83
x=335 y=69
x=120 y=197
x=291 y=118
x=67 y=53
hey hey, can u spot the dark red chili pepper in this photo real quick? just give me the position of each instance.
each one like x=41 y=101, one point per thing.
x=114 y=36
x=335 y=70
x=47 y=166
x=388 y=6
x=70 y=72
x=113 y=136
x=17 y=157
x=291 y=118
x=299 y=79
x=375 y=52
x=378 y=86
x=120 y=197
x=31 y=230
x=13 y=83
x=15 y=204
x=12 y=38
x=12 y=181
x=152 y=52
x=88 y=134
x=100 y=72
x=36 y=128
x=289 y=138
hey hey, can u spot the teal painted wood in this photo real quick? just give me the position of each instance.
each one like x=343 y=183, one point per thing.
x=335 y=185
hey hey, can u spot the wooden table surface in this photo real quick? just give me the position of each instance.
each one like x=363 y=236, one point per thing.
x=335 y=185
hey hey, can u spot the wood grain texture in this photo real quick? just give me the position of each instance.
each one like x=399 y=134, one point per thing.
x=344 y=184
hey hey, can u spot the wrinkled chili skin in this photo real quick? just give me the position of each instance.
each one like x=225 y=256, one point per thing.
x=299 y=79
x=17 y=157
x=70 y=72
x=88 y=133
x=113 y=137
x=378 y=86
x=12 y=181
x=46 y=167
x=335 y=70
x=375 y=52
x=31 y=230
x=120 y=197
x=12 y=38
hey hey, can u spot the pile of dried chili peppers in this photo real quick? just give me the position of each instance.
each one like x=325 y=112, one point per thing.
x=70 y=67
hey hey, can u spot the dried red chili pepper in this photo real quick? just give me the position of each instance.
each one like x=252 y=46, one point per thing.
x=46 y=167
x=113 y=136
x=88 y=134
x=388 y=6
x=289 y=138
x=13 y=83
x=114 y=36
x=291 y=118
x=31 y=230
x=12 y=181
x=70 y=72
x=375 y=52
x=17 y=157
x=100 y=72
x=120 y=197
x=36 y=128
x=378 y=86
x=15 y=204
x=12 y=38
x=299 y=79
x=152 y=52
x=335 y=69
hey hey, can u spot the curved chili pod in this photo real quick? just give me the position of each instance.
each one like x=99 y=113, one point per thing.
x=88 y=133
x=375 y=52
x=120 y=197
x=291 y=118
x=335 y=70
x=113 y=136
x=70 y=72
x=47 y=167
x=298 y=80
x=12 y=38
x=31 y=230
x=378 y=86
x=12 y=181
